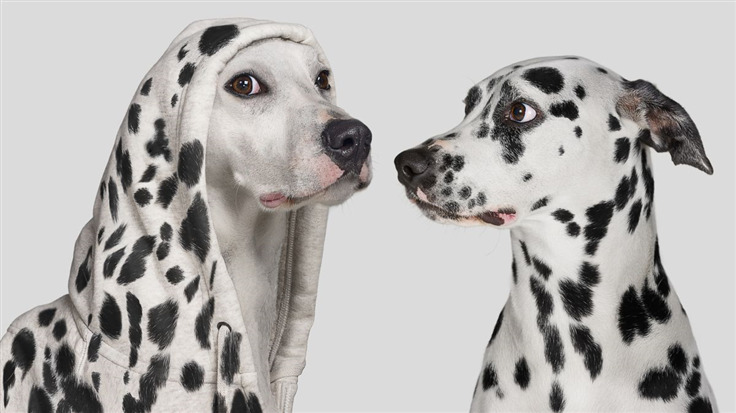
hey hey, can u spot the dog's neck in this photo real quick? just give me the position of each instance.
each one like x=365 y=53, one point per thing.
x=573 y=284
x=250 y=240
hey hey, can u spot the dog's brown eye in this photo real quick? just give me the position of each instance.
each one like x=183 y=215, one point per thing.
x=245 y=85
x=323 y=80
x=522 y=113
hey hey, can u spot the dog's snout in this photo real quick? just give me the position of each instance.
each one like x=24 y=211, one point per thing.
x=347 y=142
x=412 y=165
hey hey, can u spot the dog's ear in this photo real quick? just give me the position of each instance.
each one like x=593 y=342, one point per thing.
x=666 y=125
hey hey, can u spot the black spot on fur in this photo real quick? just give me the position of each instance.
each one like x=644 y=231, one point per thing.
x=146 y=88
x=625 y=190
x=148 y=174
x=190 y=162
x=561 y=150
x=8 y=380
x=490 y=379
x=556 y=398
x=567 y=109
x=111 y=262
x=700 y=405
x=192 y=376
x=174 y=99
x=613 y=123
x=472 y=99
x=135 y=333
x=112 y=198
x=182 y=53
x=39 y=401
x=166 y=231
x=59 y=330
x=540 y=203
x=110 y=317
x=660 y=276
x=46 y=316
x=115 y=237
x=134 y=113
x=186 y=73
x=163 y=250
x=203 y=323
x=230 y=356
x=135 y=265
x=508 y=134
x=542 y=268
x=525 y=251
x=553 y=349
x=573 y=229
x=563 y=215
x=216 y=37
x=191 y=289
x=212 y=273
x=162 y=323
x=634 y=215
x=49 y=379
x=543 y=299
x=521 y=373
x=660 y=384
x=632 y=317
x=527 y=177
x=623 y=148
x=93 y=349
x=143 y=197
x=547 y=79
x=149 y=384
x=458 y=163
x=100 y=233
x=174 y=275
x=599 y=216
x=481 y=199
x=655 y=305
x=65 y=361
x=578 y=131
x=580 y=92
x=167 y=190
x=692 y=387
x=677 y=358
x=159 y=144
x=194 y=232
x=244 y=404
x=602 y=70
x=577 y=299
x=514 y=274
x=585 y=345
x=83 y=274
x=23 y=350
x=123 y=166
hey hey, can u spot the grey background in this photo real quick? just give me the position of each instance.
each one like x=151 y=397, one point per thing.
x=406 y=305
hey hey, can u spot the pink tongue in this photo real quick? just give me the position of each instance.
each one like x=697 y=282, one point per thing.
x=273 y=199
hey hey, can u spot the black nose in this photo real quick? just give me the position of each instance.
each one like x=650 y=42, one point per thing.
x=347 y=142
x=413 y=165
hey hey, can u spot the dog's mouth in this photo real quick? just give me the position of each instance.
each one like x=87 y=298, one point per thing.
x=349 y=181
x=498 y=217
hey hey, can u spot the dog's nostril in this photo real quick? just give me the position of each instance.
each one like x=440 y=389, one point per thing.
x=347 y=143
x=407 y=170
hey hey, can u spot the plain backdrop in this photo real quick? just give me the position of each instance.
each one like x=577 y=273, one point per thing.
x=406 y=305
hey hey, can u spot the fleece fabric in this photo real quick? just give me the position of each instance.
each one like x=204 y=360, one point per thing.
x=152 y=321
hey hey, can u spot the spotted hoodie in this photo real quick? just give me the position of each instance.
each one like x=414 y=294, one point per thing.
x=152 y=321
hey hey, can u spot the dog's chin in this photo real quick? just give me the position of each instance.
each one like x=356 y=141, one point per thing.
x=502 y=217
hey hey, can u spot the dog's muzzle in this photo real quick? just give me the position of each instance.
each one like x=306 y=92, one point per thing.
x=348 y=143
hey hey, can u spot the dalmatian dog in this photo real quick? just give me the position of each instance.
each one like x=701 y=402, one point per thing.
x=193 y=287
x=557 y=151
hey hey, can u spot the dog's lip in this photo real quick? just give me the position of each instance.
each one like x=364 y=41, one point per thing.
x=497 y=217
x=274 y=199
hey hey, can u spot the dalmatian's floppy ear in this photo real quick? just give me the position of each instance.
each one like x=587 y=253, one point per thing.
x=666 y=125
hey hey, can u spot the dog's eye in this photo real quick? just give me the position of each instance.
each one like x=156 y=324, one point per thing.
x=522 y=113
x=323 y=80
x=245 y=85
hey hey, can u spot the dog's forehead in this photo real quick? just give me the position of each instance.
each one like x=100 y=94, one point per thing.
x=275 y=54
x=550 y=75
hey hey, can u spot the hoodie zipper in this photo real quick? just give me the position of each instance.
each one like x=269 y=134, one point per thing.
x=284 y=291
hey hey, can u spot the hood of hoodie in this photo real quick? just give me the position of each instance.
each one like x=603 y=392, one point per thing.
x=148 y=280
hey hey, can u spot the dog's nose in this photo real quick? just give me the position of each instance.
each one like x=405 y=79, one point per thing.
x=412 y=165
x=347 y=142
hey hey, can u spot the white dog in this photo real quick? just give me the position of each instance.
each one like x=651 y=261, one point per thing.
x=193 y=286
